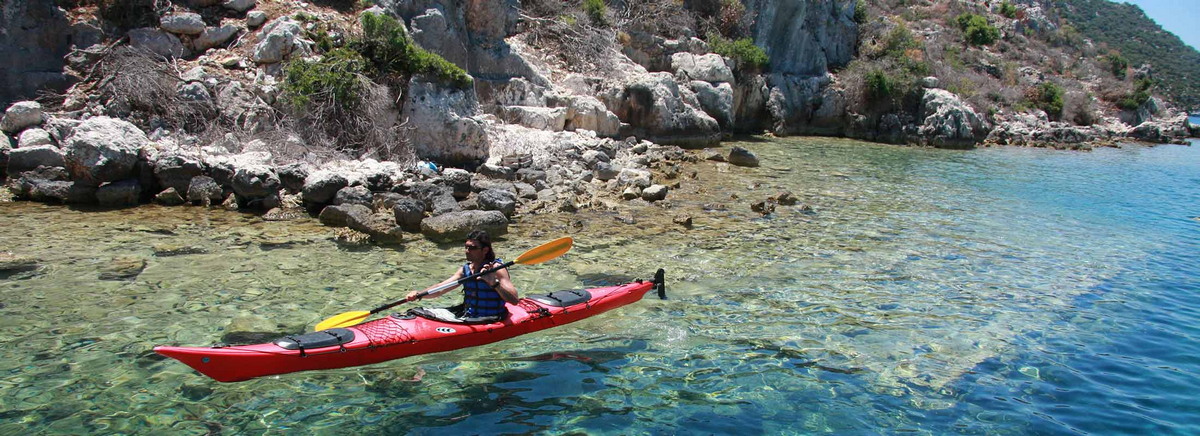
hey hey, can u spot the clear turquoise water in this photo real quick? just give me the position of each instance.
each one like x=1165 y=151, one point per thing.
x=996 y=291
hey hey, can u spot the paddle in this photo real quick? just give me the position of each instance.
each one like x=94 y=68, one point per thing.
x=539 y=254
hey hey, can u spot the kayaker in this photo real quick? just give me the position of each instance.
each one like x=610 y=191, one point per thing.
x=485 y=296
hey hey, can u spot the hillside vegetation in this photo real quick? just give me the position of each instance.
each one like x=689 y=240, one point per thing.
x=1125 y=28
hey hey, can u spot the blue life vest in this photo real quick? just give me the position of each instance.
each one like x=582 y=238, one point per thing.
x=480 y=299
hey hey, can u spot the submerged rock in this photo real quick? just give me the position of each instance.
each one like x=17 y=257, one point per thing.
x=121 y=268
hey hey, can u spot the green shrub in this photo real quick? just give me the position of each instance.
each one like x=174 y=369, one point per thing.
x=977 y=30
x=743 y=51
x=386 y=45
x=899 y=40
x=1048 y=97
x=597 y=10
x=1139 y=96
x=1117 y=64
x=880 y=86
x=860 y=11
x=1008 y=10
x=334 y=80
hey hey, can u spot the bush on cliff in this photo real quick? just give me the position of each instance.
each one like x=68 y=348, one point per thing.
x=743 y=51
x=597 y=11
x=976 y=29
x=334 y=80
x=387 y=46
x=1047 y=97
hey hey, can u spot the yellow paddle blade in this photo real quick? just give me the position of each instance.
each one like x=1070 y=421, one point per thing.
x=547 y=251
x=346 y=319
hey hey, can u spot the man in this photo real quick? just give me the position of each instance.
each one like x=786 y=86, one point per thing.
x=484 y=296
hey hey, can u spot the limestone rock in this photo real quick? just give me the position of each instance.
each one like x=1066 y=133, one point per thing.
x=213 y=37
x=22 y=115
x=707 y=68
x=157 y=41
x=29 y=158
x=456 y=225
x=103 y=150
x=445 y=118
x=187 y=23
x=658 y=109
x=949 y=122
x=742 y=157
x=279 y=39
x=408 y=213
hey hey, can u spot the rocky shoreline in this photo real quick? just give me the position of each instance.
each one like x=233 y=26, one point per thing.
x=526 y=137
x=111 y=163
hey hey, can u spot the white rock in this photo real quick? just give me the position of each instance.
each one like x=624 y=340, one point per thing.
x=709 y=68
x=187 y=23
x=22 y=115
x=239 y=5
x=34 y=137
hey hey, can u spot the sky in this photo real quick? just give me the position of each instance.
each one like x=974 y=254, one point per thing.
x=1181 y=17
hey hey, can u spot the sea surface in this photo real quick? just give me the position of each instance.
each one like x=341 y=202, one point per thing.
x=910 y=290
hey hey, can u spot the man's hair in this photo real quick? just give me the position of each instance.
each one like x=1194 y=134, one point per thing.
x=484 y=240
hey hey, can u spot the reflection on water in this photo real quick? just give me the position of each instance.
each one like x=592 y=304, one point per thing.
x=910 y=290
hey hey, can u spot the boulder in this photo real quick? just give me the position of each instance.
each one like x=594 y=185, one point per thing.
x=709 y=67
x=156 y=41
x=292 y=176
x=742 y=157
x=239 y=5
x=103 y=150
x=187 y=23
x=409 y=212
x=255 y=182
x=588 y=113
x=22 y=115
x=717 y=101
x=458 y=180
x=633 y=177
x=658 y=109
x=455 y=226
x=42 y=184
x=359 y=195
x=255 y=19
x=205 y=191
x=25 y=159
x=360 y=218
x=500 y=200
x=169 y=197
x=176 y=171
x=121 y=193
x=949 y=122
x=321 y=187
x=122 y=268
x=279 y=39
x=213 y=37
x=540 y=118
x=194 y=92
x=654 y=193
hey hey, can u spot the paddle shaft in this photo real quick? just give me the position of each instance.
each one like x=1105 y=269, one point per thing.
x=441 y=288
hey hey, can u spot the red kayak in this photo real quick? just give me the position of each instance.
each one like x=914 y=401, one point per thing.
x=405 y=335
